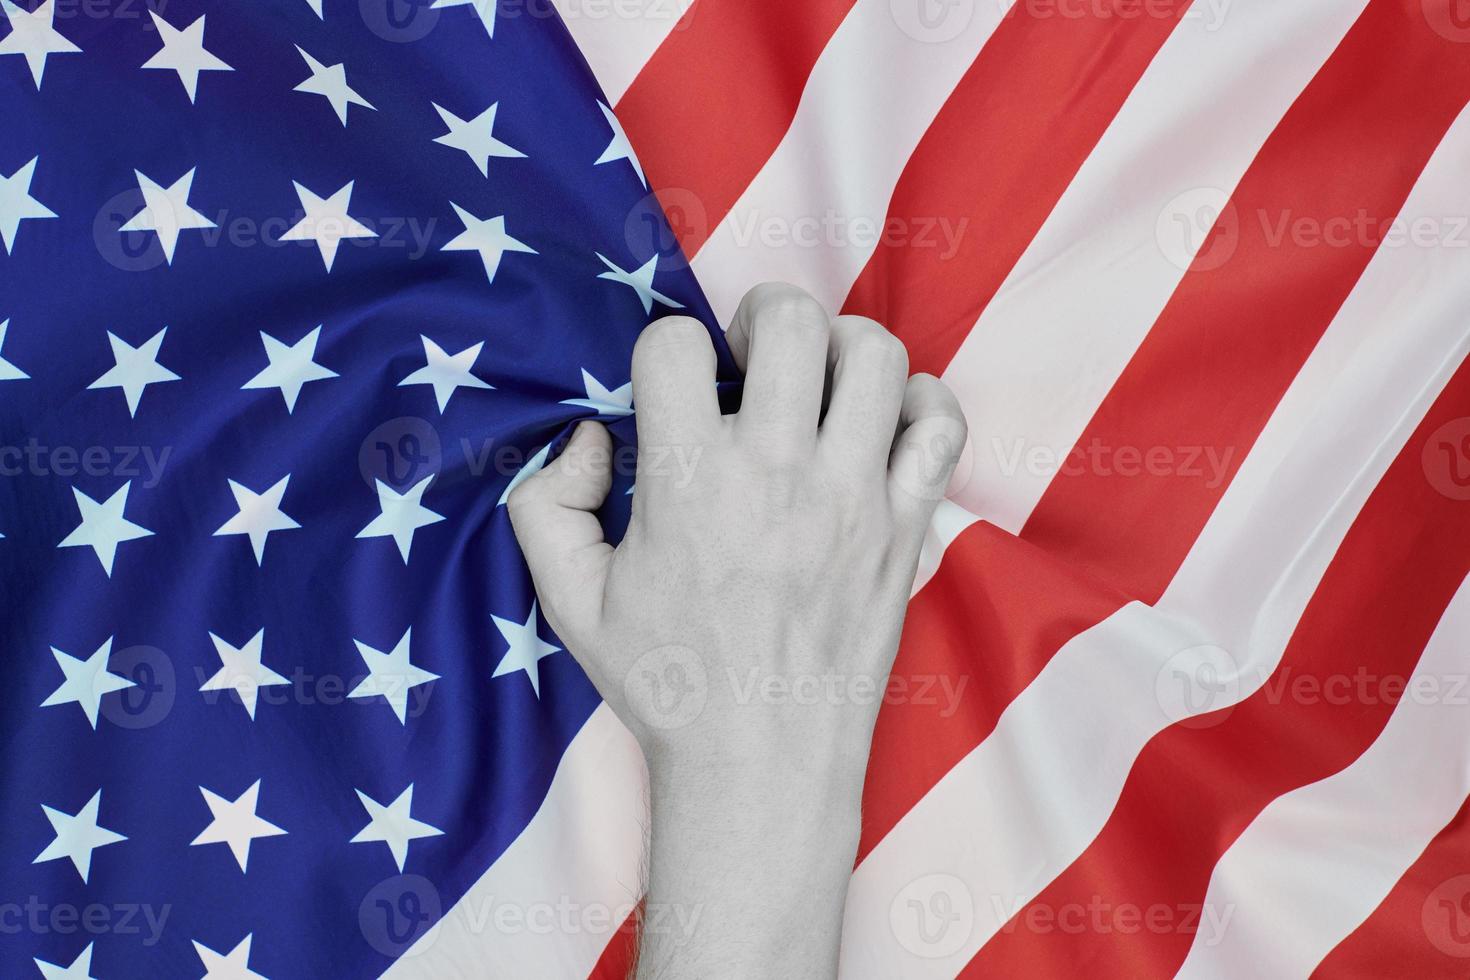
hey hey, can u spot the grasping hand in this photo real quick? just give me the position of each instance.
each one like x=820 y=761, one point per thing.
x=784 y=555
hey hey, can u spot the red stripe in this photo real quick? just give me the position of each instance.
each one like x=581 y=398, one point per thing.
x=616 y=962
x=996 y=607
x=1006 y=145
x=714 y=101
x=1421 y=930
x=998 y=156
x=1228 y=338
x=1208 y=375
x=1198 y=785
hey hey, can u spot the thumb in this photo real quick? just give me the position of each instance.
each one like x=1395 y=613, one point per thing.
x=555 y=521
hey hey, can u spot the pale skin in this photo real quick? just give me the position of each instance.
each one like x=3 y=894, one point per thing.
x=780 y=562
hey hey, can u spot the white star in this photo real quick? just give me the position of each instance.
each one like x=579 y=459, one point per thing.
x=327 y=222
x=33 y=36
x=8 y=371
x=17 y=205
x=486 y=236
x=619 y=148
x=166 y=211
x=533 y=466
x=402 y=515
x=242 y=672
x=641 y=282
x=103 y=526
x=525 y=650
x=390 y=676
x=259 y=514
x=77 y=836
x=183 y=52
x=134 y=368
x=87 y=681
x=601 y=399
x=393 y=825
x=447 y=373
x=484 y=8
x=330 y=82
x=290 y=367
x=476 y=137
x=232 y=966
x=316 y=6
x=235 y=823
x=80 y=969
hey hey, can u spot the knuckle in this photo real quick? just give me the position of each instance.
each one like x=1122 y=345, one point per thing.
x=789 y=307
x=886 y=351
x=521 y=501
x=669 y=333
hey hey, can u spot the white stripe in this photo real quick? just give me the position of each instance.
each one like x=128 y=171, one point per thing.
x=813 y=214
x=1322 y=858
x=618 y=38
x=1019 y=809
x=949 y=521
x=575 y=866
x=1077 y=305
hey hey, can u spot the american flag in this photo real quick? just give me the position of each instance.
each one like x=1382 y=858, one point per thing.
x=1183 y=686
x=290 y=295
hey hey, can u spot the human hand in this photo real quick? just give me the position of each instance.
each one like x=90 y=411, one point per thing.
x=778 y=559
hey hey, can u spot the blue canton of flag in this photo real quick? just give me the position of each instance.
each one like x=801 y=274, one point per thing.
x=291 y=293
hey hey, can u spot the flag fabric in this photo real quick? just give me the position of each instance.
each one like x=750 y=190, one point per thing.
x=1182 y=690
x=290 y=296
x=1183 y=686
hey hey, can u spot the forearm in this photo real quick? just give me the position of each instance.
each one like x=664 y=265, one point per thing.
x=748 y=867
